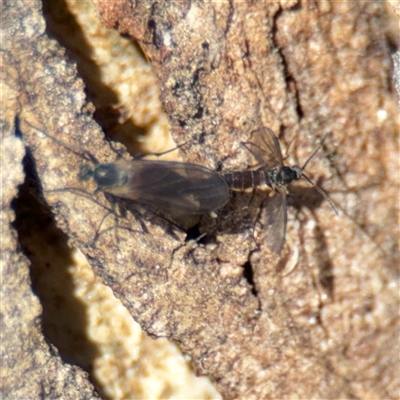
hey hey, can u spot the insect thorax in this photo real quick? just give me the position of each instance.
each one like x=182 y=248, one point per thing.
x=109 y=175
x=284 y=175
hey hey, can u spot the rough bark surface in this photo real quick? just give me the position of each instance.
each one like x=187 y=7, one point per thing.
x=321 y=321
x=31 y=367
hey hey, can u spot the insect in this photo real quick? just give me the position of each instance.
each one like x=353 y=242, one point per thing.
x=274 y=175
x=168 y=185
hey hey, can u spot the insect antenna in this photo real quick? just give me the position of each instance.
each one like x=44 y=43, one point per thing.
x=316 y=187
x=84 y=154
x=313 y=153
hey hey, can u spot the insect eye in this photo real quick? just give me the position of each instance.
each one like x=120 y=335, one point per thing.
x=298 y=172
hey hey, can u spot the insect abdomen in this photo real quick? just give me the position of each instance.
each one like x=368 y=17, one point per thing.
x=245 y=180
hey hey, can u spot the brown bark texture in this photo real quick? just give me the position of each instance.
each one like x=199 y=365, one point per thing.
x=318 y=321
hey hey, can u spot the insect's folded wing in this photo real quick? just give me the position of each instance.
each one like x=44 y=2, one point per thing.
x=264 y=146
x=276 y=219
x=177 y=186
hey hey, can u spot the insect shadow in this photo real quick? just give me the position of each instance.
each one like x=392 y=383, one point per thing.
x=178 y=189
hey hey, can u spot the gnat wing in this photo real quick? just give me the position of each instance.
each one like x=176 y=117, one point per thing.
x=184 y=187
x=265 y=147
x=276 y=220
